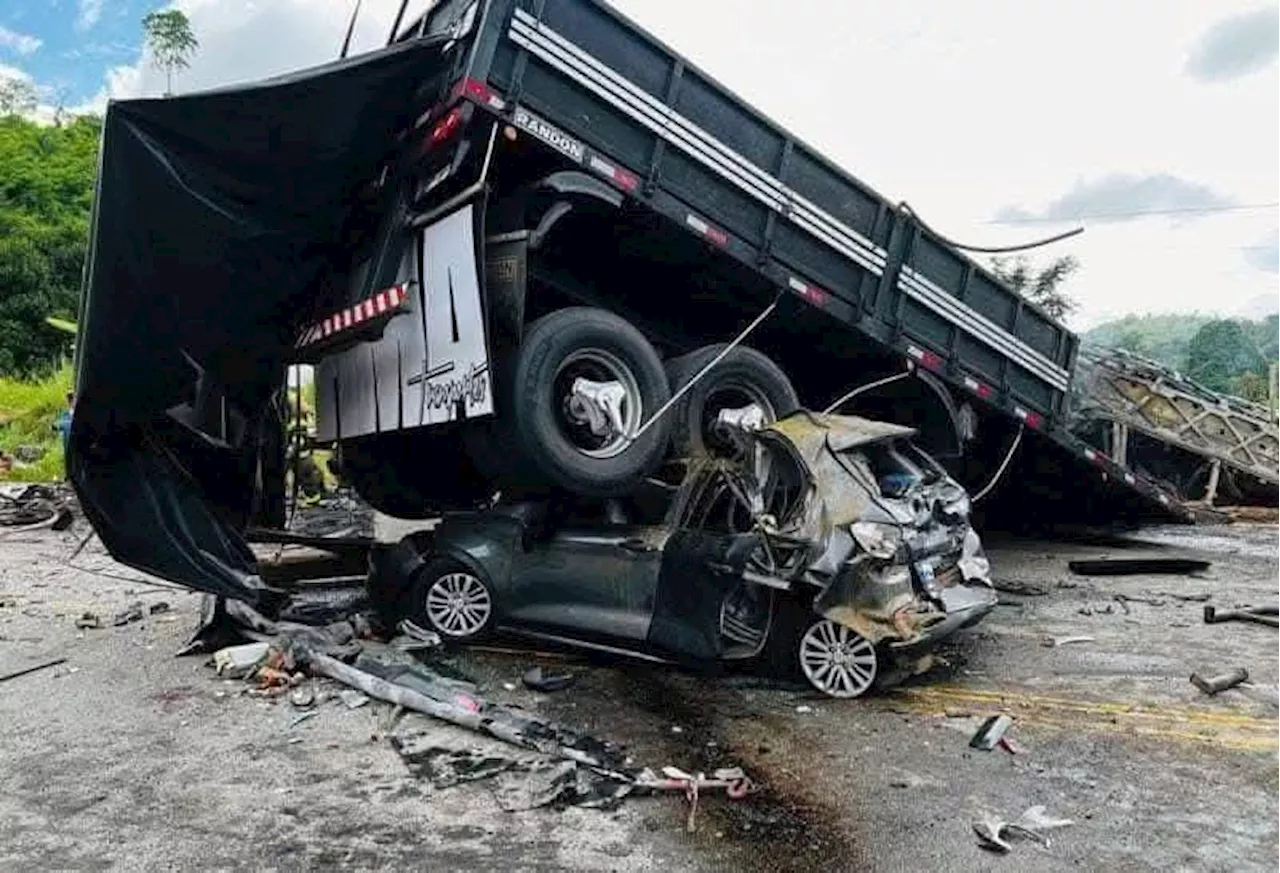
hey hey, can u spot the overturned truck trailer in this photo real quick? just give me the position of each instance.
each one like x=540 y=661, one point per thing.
x=526 y=246
x=1207 y=447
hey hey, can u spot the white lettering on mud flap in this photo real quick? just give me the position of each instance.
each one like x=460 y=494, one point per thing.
x=453 y=380
x=551 y=135
x=431 y=364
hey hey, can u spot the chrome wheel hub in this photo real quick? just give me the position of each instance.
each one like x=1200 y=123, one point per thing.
x=836 y=660
x=600 y=402
x=458 y=605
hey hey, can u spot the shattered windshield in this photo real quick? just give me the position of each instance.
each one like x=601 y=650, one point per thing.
x=896 y=466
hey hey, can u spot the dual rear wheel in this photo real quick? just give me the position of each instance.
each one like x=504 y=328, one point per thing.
x=578 y=402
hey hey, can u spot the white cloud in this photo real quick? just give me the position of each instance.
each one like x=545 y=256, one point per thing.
x=1122 y=197
x=1236 y=46
x=8 y=72
x=22 y=43
x=90 y=13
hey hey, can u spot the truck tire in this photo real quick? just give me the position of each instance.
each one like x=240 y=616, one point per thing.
x=553 y=428
x=743 y=377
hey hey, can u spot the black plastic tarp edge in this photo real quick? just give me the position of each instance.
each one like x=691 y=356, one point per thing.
x=219 y=218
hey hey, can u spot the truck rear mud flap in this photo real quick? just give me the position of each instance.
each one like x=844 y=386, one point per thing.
x=218 y=222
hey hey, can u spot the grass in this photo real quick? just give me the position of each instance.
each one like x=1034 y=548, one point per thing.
x=27 y=411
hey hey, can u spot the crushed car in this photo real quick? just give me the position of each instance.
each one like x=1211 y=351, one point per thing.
x=838 y=520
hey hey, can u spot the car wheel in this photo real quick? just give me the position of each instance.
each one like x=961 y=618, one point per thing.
x=585 y=381
x=454 y=601
x=837 y=661
x=742 y=379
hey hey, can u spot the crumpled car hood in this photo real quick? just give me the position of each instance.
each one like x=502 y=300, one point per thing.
x=875 y=595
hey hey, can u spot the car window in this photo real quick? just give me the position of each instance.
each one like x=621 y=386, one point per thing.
x=893 y=471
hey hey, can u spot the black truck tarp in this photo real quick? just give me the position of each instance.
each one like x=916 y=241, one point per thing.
x=218 y=217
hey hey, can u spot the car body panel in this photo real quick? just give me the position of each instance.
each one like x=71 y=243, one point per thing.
x=839 y=512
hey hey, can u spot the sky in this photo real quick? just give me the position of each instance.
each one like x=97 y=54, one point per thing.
x=1154 y=124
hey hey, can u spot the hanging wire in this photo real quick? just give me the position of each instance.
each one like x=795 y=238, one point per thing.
x=879 y=383
x=906 y=209
x=1013 y=447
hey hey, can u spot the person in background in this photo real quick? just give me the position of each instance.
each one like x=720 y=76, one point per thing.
x=62 y=424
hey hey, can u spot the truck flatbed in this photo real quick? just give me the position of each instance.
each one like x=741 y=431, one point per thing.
x=608 y=97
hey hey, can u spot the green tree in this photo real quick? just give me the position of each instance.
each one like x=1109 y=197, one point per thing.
x=1133 y=341
x=46 y=187
x=1219 y=353
x=171 y=41
x=17 y=96
x=1042 y=286
x=1250 y=386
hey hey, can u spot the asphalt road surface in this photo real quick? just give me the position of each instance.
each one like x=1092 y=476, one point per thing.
x=128 y=758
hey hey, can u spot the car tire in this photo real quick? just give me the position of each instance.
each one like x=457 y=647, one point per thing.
x=602 y=347
x=455 y=601
x=742 y=377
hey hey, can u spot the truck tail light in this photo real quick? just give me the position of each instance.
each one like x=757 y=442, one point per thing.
x=444 y=129
x=478 y=92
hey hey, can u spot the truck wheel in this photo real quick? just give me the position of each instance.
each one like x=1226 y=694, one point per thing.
x=744 y=378
x=585 y=381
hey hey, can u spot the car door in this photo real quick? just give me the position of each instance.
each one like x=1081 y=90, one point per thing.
x=589 y=577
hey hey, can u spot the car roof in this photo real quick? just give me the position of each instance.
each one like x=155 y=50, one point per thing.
x=809 y=431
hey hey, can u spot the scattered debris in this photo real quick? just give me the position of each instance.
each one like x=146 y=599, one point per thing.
x=353 y=699
x=236 y=662
x=991 y=830
x=303 y=717
x=732 y=780
x=804 y=710
x=444 y=767
x=1258 y=614
x=1123 y=599
x=23 y=672
x=990 y=733
x=131 y=613
x=35 y=507
x=1054 y=642
x=1211 y=685
x=303 y=698
x=160 y=606
x=88 y=621
x=26 y=454
x=1201 y=597
x=1011 y=746
x=1014 y=586
x=1137 y=566
x=536 y=680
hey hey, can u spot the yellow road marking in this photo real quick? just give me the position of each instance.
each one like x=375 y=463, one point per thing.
x=1227 y=730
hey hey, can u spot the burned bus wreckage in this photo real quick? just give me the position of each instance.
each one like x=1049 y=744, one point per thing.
x=570 y=296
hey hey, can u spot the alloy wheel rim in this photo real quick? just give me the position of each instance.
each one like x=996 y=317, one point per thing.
x=458 y=605
x=837 y=661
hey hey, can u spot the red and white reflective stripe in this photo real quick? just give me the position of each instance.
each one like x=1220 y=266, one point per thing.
x=378 y=304
x=982 y=390
x=928 y=359
x=480 y=92
x=715 y=234
x=1093 y=456
x=1031 y=419
x=815 y=295
x=624 y=179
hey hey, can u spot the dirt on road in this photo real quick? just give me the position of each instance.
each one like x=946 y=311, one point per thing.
x=125 y=757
